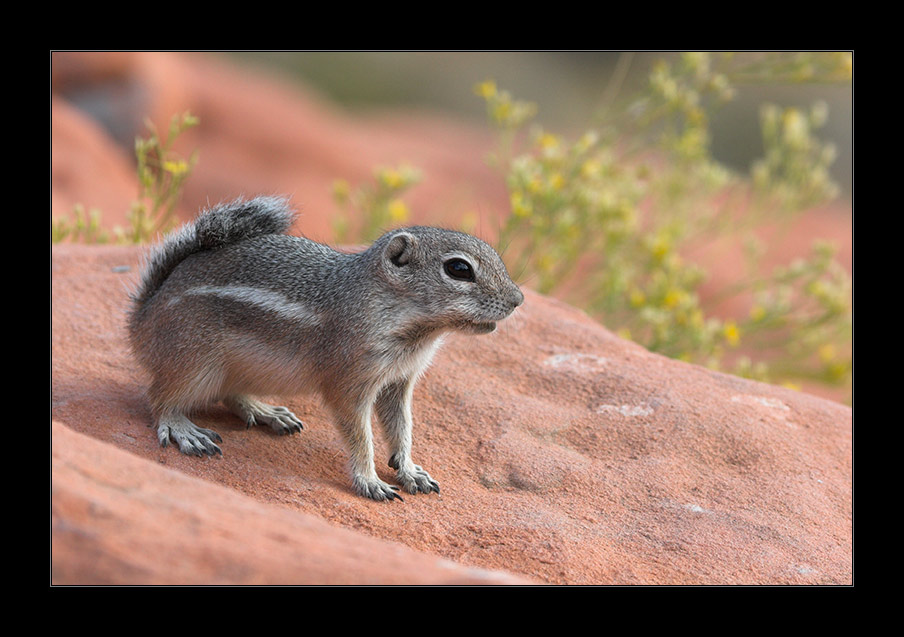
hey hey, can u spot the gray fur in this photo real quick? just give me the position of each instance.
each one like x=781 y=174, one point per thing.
x=223 y=225
x=230 y=307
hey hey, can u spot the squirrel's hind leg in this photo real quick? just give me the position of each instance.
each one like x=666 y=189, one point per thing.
x=254 y=412
x=189 y=437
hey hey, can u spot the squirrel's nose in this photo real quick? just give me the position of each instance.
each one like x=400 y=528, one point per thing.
x=517 y=297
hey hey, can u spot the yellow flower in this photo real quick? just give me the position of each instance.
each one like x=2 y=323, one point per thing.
x=757 y=313
x=520 y=207
x=557 y=181
x=673 y=297
x=398 y=211
x=548 y=140
x=624 y=333
x=176 y=168
x=392 y=178
x=590 y=168
x=826 y=352
x=731 y=333
x=486 y=89
x=502 y=111
x=817 y=289
x=660 y=247
x=637 y=298
x=794 y=127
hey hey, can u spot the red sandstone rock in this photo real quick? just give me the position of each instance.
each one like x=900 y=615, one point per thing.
x=565 y=455
x=87 y=168
x=121 y=519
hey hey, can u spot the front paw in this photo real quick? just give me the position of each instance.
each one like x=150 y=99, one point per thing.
x=376 y=489
x=416 y=480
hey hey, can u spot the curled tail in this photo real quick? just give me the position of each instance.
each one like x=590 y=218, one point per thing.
x=218 y=226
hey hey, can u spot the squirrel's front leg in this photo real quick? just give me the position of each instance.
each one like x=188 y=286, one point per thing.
x=393 y=406
x=354 y=424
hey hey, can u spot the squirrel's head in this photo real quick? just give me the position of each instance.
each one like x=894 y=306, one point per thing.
x=447 y=279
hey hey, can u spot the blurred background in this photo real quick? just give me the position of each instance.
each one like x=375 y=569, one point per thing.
x=686 y=221
x=569 y=88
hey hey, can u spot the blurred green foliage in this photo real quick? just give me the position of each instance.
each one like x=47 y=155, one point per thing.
x=161 y=176
x=368 y=209
x=84 y=226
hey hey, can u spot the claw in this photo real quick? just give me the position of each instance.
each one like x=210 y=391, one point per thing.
x=210 y=433
x=280 y=419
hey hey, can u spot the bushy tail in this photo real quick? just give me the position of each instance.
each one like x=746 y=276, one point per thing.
x=218 y=226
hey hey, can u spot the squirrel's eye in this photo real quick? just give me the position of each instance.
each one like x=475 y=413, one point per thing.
x=459 y=269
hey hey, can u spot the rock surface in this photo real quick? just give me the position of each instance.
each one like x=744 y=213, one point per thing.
x=565 y=454
x=121 y=519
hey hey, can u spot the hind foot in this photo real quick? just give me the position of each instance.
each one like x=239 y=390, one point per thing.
x=254 y=412
x=190 y=438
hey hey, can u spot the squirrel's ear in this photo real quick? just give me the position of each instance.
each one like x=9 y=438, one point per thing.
x=400 y=248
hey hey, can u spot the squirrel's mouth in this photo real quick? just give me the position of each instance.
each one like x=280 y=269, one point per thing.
x=480 y=327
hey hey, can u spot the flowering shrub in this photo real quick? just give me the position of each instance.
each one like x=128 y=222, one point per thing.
x=605 y=220
x=161 y=178
x=370 y=209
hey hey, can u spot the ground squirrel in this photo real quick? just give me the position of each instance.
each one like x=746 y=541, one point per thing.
x=229 y=306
